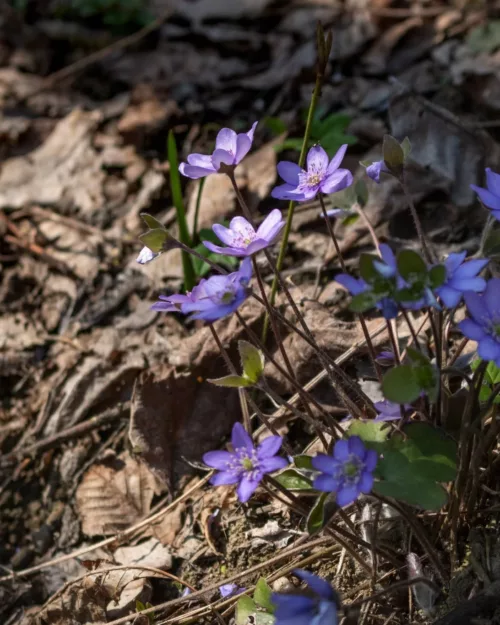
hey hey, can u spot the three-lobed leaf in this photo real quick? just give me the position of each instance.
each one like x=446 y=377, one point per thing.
x=400 y=385
x=252 y=361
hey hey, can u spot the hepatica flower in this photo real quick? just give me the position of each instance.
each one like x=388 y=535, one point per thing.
x=212 y=299
x=321 y=176
x=241 y=238
x=230 y=149
x=483 y=324
x=348 y=472
x=460 y=278
x=389 y=410
x=318 y=608
x=229 y=590
x=374 y=170
x=246 y=465
x=490 y=196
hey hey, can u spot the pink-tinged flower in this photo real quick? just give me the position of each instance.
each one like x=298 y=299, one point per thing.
x=230 y=149
x=490 y=196
x=242 y=239
x=321 y=176
x=246 y=465
x=212 y=299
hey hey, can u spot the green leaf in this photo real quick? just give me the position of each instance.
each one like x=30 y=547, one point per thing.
x=370 y=432
x=289 y=144
x=231 y=381
x=411 y=265
x=406 y=147
x=361 y=192
x=437 y=276
x=156 y=239
x=493 y=372
x=276 y=125
x=366 y=268
x=428 y=380
x=485 y=38
x=263 y=618
x=303 y=462
x=245 y=607
x=252 y=361
x=293 y=480
x=363 y=301
x=262 y=595
x=316 y=517
x=435 y=445
x=350 y=220
x=336 y=122
x=417 y=356
x=151 y=222
x=422 y=493
x=401 y=385
x=393 y=154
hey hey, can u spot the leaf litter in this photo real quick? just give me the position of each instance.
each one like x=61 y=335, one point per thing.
x=81 y=161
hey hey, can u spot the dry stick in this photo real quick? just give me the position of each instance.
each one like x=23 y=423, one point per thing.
x=246 y=395
x=364 y=327
x=109 y=541
x=414 y=335
x=286 y=360
x=396 y=586
x=234 y=578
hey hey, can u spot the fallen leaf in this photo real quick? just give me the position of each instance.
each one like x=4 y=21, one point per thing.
x=80 y=604
x=114 y=495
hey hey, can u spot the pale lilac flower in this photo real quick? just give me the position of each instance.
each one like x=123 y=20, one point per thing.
x=229 y=590
x=230 y=149
x=212 y=299
x=333 y=213
x=374 y=170
x=389 y=410
x=321 y=176
x=316 y=608
x=246 y=465
x=490 y=196
x=241 y=237
x=483 y=324
x=460 y=278
x=386 y=358
x=348 y=472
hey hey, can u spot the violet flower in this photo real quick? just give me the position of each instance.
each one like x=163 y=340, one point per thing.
x=318 y=608
x=483 y=324
x=321 y=176
x=246 y=465
x=229 y=590
x=212 y=299
x=386 y=358
x=490 y=196
x=389 y=410
x=242 y=239
x=348 y=472
x=374 y=170
x=230 y=149
x=460 y=278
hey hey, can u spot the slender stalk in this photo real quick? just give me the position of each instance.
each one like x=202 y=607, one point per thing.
x=416 y=220
x=194 y=235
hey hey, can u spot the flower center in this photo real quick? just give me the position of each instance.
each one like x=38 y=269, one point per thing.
x=352 y=469
x=247 y=464
x=227 y=297
x=313 y=179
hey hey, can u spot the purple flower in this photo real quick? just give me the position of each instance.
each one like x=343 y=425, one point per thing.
x=242 y=239
x=348 y=472
x=228 y=590
x=212 y=299
x=483 y=324
x=322 y=176
x=374 y=170
x=490 y=196
x=333 y=213
x=389 y=410
x=386 y=358
x=230 y=149
x=246 y=465
x=461 y=277
x=318 y=609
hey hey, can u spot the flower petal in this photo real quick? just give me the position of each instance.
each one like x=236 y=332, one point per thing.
x=269 y=447
x=190 y=171
x=271 y=225
x=288 y=192
x=244 y=273
x=476 y=307
x=493 y=182
x=320 y=586
x=347 y=495
x=388 y=256
x=488 y=348
x=341 y=450
x=468 y=284
x=217 y=459
x=491 y=298
x=226 y=140
x=371 y=460
x=366 y=482
x=336 y=160
x=291 y=607
x=228 y=251
x=223 y=478
x=326 y=464
x=146 y=256
x=336 y=181
x=356 y=446
x=289 y=172
x=317 y=159
x=242 y=227
x=270 y=465
x=240 y=438
x=246 y=488
x=487 y=197
x=164 y=307
x=449 y=296
x=200 y=160
x=454 y=260
x=471 y=329
x=353 y=285
x=471 y=268
x=222 y=156
x=243 y=145
x=325 y=483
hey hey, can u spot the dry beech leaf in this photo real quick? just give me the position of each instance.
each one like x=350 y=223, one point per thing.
x=81 y=604
x=114 y=495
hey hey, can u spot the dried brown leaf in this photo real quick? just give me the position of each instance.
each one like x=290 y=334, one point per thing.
x=114 y=495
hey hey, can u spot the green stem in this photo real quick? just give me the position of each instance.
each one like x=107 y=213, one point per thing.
x=175 y=186
x=291 y=206
x=194 y=235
